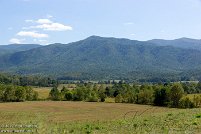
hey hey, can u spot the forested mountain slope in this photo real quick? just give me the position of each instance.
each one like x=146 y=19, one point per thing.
x=103 y=58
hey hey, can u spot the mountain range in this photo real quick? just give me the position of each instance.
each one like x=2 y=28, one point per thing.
x=12 y=48
x=100 y=58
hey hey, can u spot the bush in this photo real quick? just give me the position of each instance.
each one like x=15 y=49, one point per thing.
x=145 y=97
x=35 y=95
x=197 y=101
x=119 y=98
x=102 y=95
x=55 y=94
x=9 y=94
x=20 y=94
x=92 y=97
x=160 y=97
x=69 y=96
x=79 y=94
x=186 y=103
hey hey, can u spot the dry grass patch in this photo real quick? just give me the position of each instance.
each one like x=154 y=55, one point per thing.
x=78 y=111
x=43 y=92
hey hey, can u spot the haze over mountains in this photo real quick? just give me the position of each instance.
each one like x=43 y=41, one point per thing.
x=99 y=58
x=181 y=43
x=12 y=48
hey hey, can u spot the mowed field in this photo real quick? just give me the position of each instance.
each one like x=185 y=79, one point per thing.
x=84 y=117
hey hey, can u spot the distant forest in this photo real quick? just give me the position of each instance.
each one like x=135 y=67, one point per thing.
x=27 y=80
x=101 y=59
x=15 y=88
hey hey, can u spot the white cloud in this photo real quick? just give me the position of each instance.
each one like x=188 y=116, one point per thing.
x=43 y=21
x=48 y=25
x=132 y=34
x=32 y=34
x=16 y=41
x=54 y=27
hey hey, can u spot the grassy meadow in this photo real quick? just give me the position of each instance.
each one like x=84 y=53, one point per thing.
x=64 y=117
x=58 y=117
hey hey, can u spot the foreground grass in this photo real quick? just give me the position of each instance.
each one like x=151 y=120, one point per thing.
x=82 y=117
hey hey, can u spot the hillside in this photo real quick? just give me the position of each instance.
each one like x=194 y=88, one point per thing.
x=186 y=43
x=12 y=48
x=104 y=58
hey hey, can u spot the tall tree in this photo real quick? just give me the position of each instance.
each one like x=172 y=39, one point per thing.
x=176 y=93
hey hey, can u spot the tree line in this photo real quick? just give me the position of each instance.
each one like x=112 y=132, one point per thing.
x=40 y=81
x=13 y=93
x=82 y=92
x=168 y=94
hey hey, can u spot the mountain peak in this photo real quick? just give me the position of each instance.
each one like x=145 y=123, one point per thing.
x=185 y=39
x=94 y=37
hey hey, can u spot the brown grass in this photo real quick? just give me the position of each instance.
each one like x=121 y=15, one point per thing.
x=77 y=111
x=43 y=92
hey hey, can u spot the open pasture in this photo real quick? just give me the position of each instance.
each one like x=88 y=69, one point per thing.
x=84 y=117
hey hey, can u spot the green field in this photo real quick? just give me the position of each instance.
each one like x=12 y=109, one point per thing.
x=83 y=117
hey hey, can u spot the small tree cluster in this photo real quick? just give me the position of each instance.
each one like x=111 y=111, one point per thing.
x=83 y=92
x=12 y=93
x=134 y=94
x=171 y=95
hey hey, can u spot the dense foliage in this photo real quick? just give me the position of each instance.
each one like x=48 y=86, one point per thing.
x=27 y=80
x=12 y=93
x=171 y=95
x=83 y=92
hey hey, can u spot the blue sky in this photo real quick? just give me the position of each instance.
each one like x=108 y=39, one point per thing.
x=64 y=21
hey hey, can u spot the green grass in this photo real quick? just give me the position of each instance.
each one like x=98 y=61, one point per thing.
x=83 y=117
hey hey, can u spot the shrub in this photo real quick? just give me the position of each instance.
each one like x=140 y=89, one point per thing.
x=35 y=95
x=54 y=94
x=160 y=97
x=9 y=94
x=69 y=96
x=119 y=98
x=145 y=97
x=197 y=101
x=186 y=103
x=92 y=97
x=20 y=94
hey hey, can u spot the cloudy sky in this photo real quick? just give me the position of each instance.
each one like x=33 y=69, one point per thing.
x=64 y=21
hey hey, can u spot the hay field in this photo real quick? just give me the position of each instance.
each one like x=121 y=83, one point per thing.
x=84 y=117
